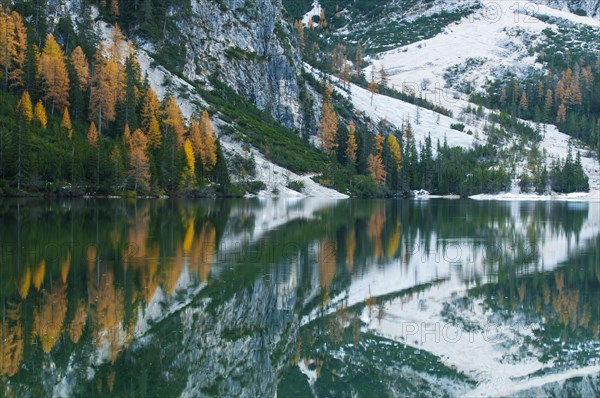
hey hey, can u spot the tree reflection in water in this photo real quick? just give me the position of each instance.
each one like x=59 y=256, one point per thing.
x=254 y=297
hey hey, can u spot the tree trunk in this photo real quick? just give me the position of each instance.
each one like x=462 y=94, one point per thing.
x=99 y=120
x=19 y=160
x=97 y=164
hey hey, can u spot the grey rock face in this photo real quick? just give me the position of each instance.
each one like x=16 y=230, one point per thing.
x=247 y=45
x=591 y=7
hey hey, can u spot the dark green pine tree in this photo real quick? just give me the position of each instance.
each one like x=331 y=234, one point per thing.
x=219 y=174
x=128 y=109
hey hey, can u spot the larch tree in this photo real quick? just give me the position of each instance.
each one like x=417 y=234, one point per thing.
x=127 y=135
x=16 y=75
x=174 y=121
x=196 y=138
x=209 y=143
x=66 y=123
x=154 y=135
x=189 y=172
x=395 y=152
x=26 y=115
x=351 y=146
x=139 y=161
x=375 y=161
x=107 y=85
x=93 y=140
x=81 y=68
x=7 y=42
x=150 y=108
x=54 y=75
x=25 y=108
x=39 y=115
x=328 y=125
x=373 y=87
x=114 y=8
x=561 y=115
x=92 y=135
x=524 y=104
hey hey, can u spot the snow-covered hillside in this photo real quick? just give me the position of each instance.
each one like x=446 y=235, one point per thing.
x=494 y=40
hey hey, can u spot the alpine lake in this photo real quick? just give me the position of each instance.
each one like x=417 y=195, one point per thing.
x=299 y=297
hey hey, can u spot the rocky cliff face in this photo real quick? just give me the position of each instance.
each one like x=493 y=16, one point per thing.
x=246 y=44
x=591 y=7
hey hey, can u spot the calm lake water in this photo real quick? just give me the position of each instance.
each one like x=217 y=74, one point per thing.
x=303 y=297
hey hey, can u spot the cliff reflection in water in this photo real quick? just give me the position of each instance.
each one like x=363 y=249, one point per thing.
x=255 y=297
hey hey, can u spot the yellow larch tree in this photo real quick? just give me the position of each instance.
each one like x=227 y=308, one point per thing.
x=53 y=74
x=66 y=123
x=351 y=146
x=93 y=140
x=150 y=109
x=395 y=152
x=328 y=125
x=154 y=135
x=209 y=147
x=189 y=173
x=127 y=135
x=139 y=161
x=375 y=161
x=39 y=115
x=81 y=68
x=19 y=51
x=174 y=121
x=92 y=135
x=108 y=82
x=25 y=108
x=196 y=138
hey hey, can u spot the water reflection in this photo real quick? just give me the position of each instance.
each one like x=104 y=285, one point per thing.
x=167 y=298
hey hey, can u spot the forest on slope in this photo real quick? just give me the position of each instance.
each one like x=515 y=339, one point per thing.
x=78 y=117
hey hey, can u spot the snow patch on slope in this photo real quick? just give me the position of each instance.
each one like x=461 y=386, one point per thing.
x=277 y=178
x=396 y=112
x=316 y=11
x=487 y=43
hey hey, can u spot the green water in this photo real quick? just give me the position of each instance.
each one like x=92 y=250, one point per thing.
x=303 y=297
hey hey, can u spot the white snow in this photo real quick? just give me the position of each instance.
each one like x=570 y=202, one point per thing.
x=315 y=11
x=276 y=177
x=396 y=112
x=542 y=9
x=494 y=39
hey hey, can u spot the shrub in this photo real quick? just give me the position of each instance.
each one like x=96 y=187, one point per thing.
x=457 y=126
x=297 y=185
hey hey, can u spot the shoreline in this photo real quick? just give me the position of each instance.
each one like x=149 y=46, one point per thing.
x=585 y=197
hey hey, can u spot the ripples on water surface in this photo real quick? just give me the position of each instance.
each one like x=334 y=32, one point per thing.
x=299 y=298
